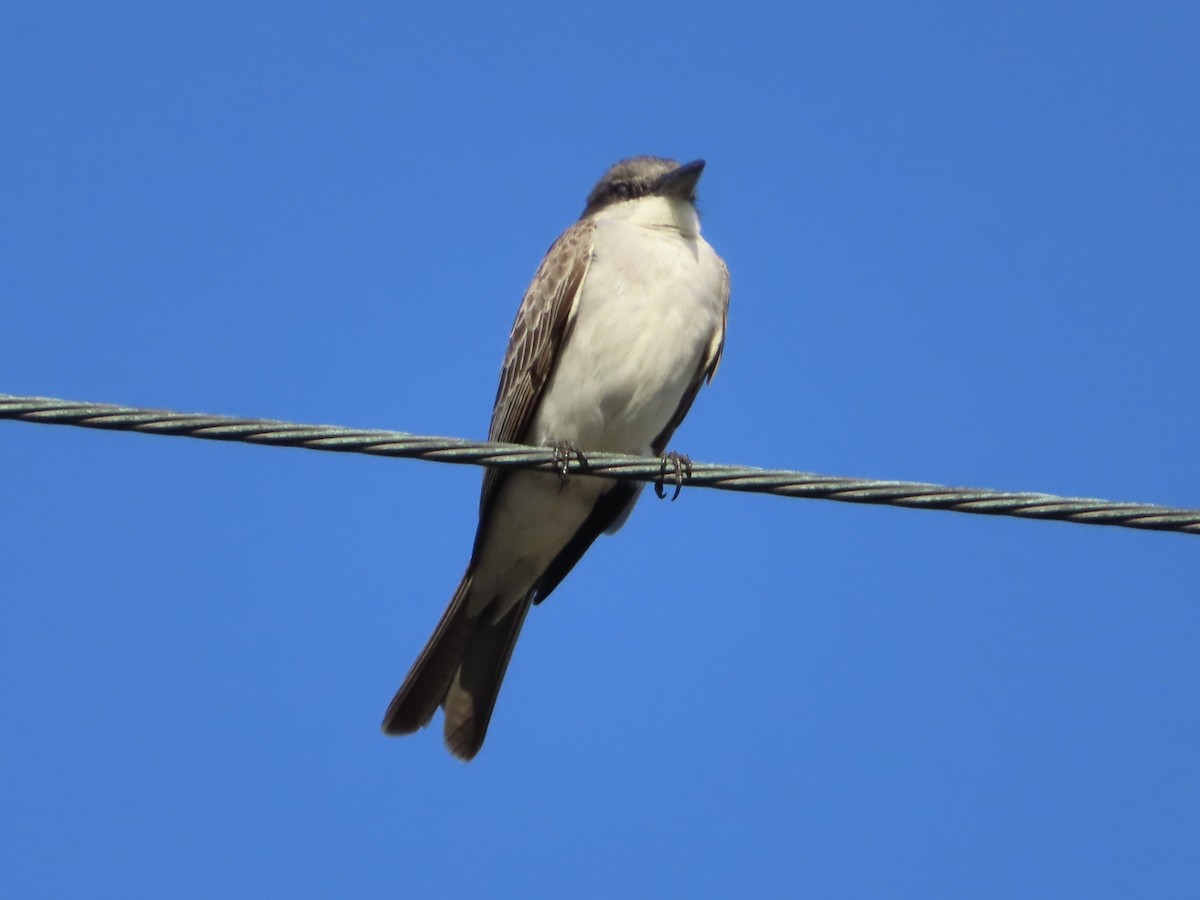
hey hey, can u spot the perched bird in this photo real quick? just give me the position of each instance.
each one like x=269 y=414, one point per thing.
x=623 y=322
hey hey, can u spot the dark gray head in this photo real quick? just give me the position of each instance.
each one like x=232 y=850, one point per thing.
x=644 y=176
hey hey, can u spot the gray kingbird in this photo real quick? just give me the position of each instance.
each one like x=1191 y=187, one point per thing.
x=622 y=324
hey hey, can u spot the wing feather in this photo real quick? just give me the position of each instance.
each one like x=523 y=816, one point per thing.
x=535 y=345
x=705 y=372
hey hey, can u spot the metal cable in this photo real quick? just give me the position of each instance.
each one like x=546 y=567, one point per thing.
x=782 y=482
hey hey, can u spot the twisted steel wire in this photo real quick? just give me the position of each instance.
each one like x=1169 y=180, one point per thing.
x=781 y=482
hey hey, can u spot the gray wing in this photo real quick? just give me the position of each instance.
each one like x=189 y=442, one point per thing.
x=538 y=336
x=463 y=664
x=705 y=372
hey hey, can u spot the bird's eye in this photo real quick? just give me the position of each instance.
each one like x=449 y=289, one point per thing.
x=623 y=190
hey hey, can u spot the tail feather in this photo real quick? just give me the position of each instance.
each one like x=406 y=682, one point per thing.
x=473 y=692
x=429 y=678
x=460 y=669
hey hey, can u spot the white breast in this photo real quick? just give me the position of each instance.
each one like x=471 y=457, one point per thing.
x=648 y=315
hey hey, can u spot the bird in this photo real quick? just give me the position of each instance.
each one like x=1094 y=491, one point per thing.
x=622 y=324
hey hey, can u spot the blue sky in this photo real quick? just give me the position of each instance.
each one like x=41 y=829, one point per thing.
x=965 y=248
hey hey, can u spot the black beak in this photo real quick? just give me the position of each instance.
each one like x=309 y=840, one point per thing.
x=681 y=181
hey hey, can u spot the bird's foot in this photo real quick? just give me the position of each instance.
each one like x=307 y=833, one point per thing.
x=681 y=471
x=563 y=451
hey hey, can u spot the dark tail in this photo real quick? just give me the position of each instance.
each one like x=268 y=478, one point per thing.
x=461 y=669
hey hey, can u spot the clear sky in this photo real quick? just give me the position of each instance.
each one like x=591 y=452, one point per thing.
x=965 y=248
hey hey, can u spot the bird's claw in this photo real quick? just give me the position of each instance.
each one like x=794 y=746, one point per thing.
x=681 y=471
x=563 y=451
